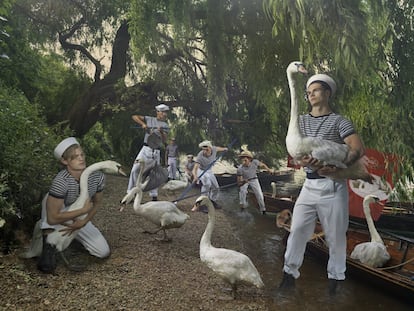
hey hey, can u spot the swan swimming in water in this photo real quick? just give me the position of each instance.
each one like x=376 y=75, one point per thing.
x=326 y=151
x=233 y=267
x=373 y=253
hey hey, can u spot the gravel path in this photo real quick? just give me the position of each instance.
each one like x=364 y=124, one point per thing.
x=142 y=273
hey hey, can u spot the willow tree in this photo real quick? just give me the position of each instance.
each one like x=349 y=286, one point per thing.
x=370 y=60
x=87 y=34
x=222 y=65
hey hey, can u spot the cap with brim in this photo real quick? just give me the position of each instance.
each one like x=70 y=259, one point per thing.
x=63 y=145
x=162 y=107
x=321 y=77
x=246 y=154
x=205 y=143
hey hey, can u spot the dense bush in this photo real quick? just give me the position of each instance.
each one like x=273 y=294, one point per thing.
x=26 y=162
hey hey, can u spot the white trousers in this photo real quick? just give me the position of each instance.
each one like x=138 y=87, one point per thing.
x=327 y=200
x=147 y=154
x=172 y=167
x=257 y=190
x=89 y=236
x=209 y=184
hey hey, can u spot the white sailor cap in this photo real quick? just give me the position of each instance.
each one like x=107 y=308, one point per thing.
x=321 y=77
x=63 y=145
x=162 y=107
x=205 y=143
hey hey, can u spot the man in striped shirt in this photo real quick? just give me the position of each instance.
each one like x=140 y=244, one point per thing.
x=321 y=197
x=63 y=192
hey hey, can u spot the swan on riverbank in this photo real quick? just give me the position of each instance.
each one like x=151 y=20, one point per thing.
x=233 y=267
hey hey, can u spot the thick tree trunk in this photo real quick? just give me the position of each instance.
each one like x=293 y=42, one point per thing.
x=90 y=106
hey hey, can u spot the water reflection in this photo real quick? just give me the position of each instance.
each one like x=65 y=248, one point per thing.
x=263 y=242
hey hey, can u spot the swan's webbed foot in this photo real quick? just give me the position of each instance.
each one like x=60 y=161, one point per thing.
x=165 y=238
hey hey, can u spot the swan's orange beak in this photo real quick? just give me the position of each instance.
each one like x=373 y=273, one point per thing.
x=121 y=172
x=195 y=207
x=302 y=69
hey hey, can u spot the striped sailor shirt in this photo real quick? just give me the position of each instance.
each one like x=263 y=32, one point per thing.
x=333 y=127
x=66 y=187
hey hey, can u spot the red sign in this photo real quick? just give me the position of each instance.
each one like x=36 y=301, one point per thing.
x=381 y=187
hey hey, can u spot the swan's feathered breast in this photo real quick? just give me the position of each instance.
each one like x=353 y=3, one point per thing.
x=163 y=213
x=230 y=265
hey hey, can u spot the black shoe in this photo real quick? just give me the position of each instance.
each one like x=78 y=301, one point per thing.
x=332 y=287
x=263 y=212
x=154 y=198
x=47 y=260
x=288 y=282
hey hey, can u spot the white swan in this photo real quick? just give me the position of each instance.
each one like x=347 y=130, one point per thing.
x=329 y=152
x=57 y=238
x=374 y=253
x=233 y=267
x=164 y=214
x=176 y=184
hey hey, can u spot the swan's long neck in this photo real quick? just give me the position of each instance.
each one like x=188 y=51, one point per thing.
x=274 y=190
x=83 y=185
x=293 y=128
x=206 y=238
x=138 y=189
x=375 y=237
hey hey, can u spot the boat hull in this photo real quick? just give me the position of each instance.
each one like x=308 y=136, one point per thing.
x=398 y=281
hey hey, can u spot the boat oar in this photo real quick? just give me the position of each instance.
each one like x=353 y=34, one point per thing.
x=207 y=168
x=202 y=192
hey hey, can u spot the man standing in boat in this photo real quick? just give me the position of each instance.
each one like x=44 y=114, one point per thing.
x=247 y=177
x=321 y=197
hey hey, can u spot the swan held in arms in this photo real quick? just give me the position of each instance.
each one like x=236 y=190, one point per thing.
x=233 y=267
x=57 y=238
x=166 y=215
x=373 y=253
x=329 y=152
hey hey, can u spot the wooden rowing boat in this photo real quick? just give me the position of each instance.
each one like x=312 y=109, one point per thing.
x=396 y=217
x=396 y=277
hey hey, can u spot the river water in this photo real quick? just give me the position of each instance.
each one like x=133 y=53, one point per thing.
x=263 y=242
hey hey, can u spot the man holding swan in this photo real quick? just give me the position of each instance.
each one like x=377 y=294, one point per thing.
x=63 y=192
x=321 y=197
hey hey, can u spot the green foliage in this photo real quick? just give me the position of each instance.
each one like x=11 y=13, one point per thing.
x=96 y=145
x=26 y=161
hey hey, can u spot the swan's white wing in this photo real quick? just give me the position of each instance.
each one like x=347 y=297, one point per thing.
x=372 y=254
x=232 y=266
x=162 y=213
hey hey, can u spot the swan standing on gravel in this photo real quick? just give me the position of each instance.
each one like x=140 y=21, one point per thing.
x=373 y=253
x=233 y=267
x=327 y=152
x=166 y=215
